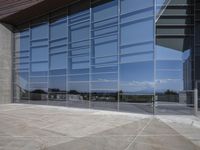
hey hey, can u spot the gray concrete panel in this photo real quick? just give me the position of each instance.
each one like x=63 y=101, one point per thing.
x=6 y=45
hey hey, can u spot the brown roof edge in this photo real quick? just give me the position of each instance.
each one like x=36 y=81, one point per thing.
x=39 y=9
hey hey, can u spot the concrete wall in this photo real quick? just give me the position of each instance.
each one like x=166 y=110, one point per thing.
x=6 y=45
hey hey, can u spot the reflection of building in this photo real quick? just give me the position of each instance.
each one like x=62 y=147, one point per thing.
x=104 y=50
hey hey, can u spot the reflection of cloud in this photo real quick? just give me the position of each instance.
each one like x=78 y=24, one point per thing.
x=163 y=81
x=147 y=85
x=103 y=80
x=138 y=85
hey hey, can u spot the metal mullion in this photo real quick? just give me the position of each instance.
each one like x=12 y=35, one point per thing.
x=103 y=20
x=105 y=26
x=154 y=57
x=194 y=51
x=67 y=58
x=90 y=56
x=48 y=78
x=119 y=54
x=29 y=74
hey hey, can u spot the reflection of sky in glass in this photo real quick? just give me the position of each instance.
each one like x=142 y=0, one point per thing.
x=160 y=6
x=136 y=52
x=170 y=68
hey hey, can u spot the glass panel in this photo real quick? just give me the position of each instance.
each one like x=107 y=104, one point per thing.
x=24 y=43
x=57 y=84
x=105 y=11
x=78 y=95
x=39 y=32
x=39 y=54
x=136 y=29
x=136 y=56
x=174 y=59
x=58 y=61
x=128 y=6
x=58 y=31
x=21 y=87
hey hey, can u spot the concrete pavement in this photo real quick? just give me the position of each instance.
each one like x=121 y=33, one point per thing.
x=35 y=127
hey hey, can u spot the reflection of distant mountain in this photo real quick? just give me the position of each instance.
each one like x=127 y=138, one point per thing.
x=39 y=91
x=74 y=92
x=57 y=90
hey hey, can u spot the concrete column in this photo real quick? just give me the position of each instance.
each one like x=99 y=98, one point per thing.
x=6 y=46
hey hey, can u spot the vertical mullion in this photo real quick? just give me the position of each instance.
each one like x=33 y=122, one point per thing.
x=29 y=73
x=194 y=51
x=48 y=78
x=154 y=56
x=118 y=50
x=13 y=81
x=67 y=58
x=90 y=57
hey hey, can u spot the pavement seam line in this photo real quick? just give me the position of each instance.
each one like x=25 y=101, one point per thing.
x=139 y=133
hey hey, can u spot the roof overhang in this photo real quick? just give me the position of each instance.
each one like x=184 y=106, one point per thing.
x=19 y=12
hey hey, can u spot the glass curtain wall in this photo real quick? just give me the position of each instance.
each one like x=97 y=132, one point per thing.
x=91 y=54
x=174 y=56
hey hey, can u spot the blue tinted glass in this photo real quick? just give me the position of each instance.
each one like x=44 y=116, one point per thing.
x=57 y=83
x=105 y=77
x=36 y=67
x=104 y=85
x=95 y=55
x=80 y=33
x=105 y=11
x=134 y=5
x=24 y=43
x=38 y=79
x=137 y=77
x=58 y=61
x=39 y=54
x=135 y=33
x=107 y=48
x=39 y=32
x=58 y=31
x=79 y=77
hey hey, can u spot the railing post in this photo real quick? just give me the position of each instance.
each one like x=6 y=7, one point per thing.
x=195 y=102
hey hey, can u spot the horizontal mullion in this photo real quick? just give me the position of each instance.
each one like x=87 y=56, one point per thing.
x=103 y=65
x=38 y=40
x=93 y=22
x=104 y=27
x=79 y=15
x=58 y=39
x=22 y=51
x=136 y=44
x=21 y=57
x=174 y=5
x=174 y=25
x=137 y=20
x=37 y=62
x=103 y=90
x=46 y=45
x=173 y=35
x=79 y=55
x=79 y=41
x=52 y=24
x=77 y=82
x=102 y=36
x=106 y=81
x=176 y=15
x=80 y=22
x=57 y=46
x=104 y=56
x=54 y=53
x=137 y=53
x=38 y=82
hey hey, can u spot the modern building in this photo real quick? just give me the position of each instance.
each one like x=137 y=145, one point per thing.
x=125 y=55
